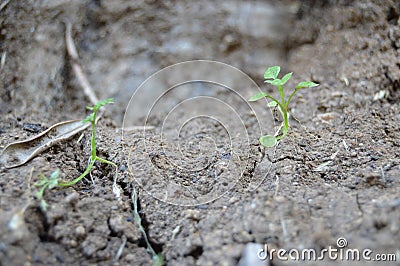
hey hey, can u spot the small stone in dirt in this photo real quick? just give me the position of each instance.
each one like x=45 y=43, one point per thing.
x=226 y=156
x=72 y=243
x=250 y=256
x=130 y=257
x=116 y=224
x=92 y=244
x=122 y=168
x=193 y=215
x=72 y=198
x=80 y=231
x=119 y=225
x=59 y=258
x=280 y=199
x=34 y=128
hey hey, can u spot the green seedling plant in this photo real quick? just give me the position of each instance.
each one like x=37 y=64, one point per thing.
x=46 y=183
x=51 y=182
x=271 y=77
x=93 y=158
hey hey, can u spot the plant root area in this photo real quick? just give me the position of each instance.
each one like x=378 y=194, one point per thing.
x=335 y=175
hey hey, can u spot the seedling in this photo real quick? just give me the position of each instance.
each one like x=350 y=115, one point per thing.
x=93 y=158
x=46 y=183
x=271 y=77
x=51 y=182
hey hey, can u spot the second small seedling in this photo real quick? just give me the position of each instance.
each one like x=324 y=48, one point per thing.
x=51 y=182
x=46 y=183
x=93 y=158
x=271 y=76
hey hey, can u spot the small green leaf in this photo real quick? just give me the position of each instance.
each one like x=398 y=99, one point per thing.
x=102 y=103
x=43 y=205
x=272 y=72
x=306 y=84
x=55 y=174
x=89 y=118
x=286 y=78
x=280 y=82
x=39 y=195
x=258 y=96
x=272 y=104
x=99 y=104
x=41 y=182
x=53 y=181
x=275 y=82
x=268 y=141
x=158 y=260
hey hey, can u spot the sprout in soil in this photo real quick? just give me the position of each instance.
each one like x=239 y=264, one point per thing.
x=46 y=183
x=271 y=77
x=93 y=158
x=51 y=182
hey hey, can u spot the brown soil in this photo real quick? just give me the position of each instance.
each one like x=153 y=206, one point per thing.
x=335 y=175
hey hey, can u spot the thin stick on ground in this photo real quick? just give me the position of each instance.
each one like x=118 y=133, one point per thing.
x=121 y=248
x=3 y=5
x=72 y=52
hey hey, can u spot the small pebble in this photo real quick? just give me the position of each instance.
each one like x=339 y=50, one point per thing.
x=33 y=128
x=72 y=198
x=193 y=214
x=59 y=258
x=73 y=244
x=36 y=258
x=80 y=230
x=130 y=257
x=280 y=199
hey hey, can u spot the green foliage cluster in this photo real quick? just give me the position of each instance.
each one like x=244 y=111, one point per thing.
x=271 y=77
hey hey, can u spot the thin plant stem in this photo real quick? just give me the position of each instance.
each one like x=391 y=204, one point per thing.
x=76 y=180
x=105 y=161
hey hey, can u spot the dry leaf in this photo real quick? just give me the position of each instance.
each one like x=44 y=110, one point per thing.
x=18 y=153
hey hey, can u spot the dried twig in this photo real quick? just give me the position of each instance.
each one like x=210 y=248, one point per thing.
x=3 y=59
x=121 y=248
x=72 y=52
x=3 y=5
x=20 y=152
